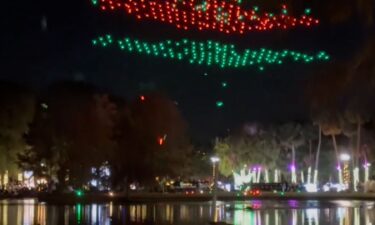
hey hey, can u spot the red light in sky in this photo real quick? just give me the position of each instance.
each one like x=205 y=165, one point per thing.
x=142 y=97
x=161 y=141
x=219 y=15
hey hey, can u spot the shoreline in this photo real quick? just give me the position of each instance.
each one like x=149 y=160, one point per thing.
x=139 y=198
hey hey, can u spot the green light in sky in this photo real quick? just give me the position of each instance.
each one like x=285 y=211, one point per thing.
x=79 y=193
x=219 y=104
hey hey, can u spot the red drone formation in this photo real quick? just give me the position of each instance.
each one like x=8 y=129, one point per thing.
x=218 y=15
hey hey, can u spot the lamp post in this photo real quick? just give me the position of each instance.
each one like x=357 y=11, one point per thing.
x=215 y=160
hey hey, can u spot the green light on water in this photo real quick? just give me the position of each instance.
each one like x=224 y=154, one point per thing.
x=79 y=213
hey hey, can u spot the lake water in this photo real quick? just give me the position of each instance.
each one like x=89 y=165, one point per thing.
x=29 y=212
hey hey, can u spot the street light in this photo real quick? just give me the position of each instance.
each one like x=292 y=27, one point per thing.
x=344 y=157
x=215 y=159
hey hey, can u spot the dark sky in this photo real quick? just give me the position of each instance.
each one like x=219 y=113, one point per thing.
x=37 y=57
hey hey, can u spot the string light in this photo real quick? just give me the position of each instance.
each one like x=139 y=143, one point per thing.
x=218 y=15
x=209 y=53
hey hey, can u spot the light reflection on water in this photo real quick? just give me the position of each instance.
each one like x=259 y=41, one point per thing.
x=29 y=212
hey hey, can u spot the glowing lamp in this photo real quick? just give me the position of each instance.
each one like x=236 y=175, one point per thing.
x=344 y=157
x=215 y=159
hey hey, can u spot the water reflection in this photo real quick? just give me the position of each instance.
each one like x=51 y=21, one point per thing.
x=29 y=212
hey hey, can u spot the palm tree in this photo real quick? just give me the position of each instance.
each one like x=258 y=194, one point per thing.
x=290 y=136
x=309 y=135
x=331 y=128
x=315 y=181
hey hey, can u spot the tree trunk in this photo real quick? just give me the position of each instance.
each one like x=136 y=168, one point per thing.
x=337 y=158
x=358 y=142
x=310 y=152
x=293 y=155
x=354 y=150
x=352 y=161
x=294 y=170
x=336 y=150
x=317 y=156
x=310 y=163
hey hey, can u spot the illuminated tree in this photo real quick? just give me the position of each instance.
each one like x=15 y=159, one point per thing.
x=16 y=113
x=290 y=137
x=257 y=150
x=331 y=127
x=229 y=160
x=309 y=135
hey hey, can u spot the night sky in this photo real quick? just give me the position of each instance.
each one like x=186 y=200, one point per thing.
x=46 y=41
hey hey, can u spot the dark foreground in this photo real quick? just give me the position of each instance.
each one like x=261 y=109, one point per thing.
x=263 y=212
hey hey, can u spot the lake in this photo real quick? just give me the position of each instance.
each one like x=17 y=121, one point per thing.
x=265 y=212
